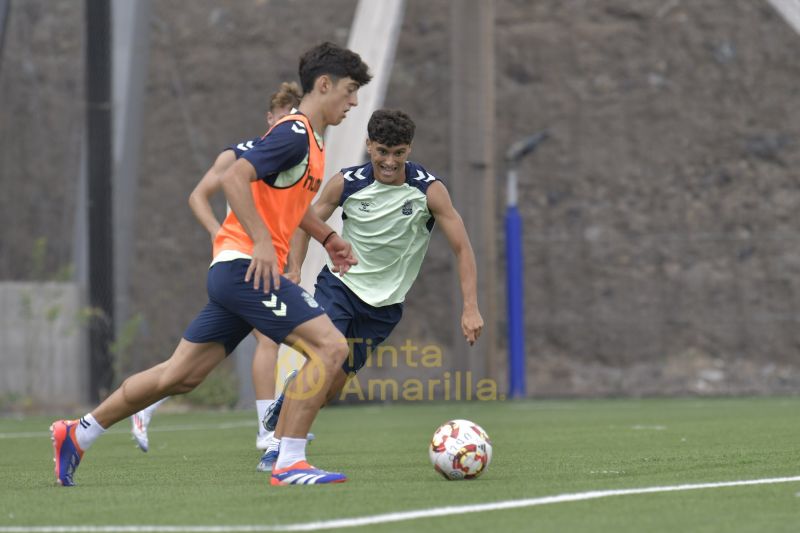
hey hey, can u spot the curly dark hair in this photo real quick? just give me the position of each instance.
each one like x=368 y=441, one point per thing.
x=391 y=127
x=333 y=60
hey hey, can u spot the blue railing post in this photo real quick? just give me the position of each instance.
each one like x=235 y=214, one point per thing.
x=515 y=300
x=515 y=288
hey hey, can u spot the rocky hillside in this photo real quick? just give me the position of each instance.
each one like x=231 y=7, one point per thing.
x=660 y=220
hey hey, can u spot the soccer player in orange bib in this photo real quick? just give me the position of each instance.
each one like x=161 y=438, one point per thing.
x=269 y=189
x=283 y=102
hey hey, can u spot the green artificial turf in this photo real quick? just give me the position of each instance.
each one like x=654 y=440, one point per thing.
x=200 y=470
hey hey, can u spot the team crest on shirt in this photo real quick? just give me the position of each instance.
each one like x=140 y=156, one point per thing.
x=407 y=210
x=365 y=206
x=312 y=303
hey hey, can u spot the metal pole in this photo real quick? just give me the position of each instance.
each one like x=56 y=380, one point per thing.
x=101 y=257
x=514 y=267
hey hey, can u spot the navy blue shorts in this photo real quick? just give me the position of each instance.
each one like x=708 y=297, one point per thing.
x=235 y=308
x=363 y=325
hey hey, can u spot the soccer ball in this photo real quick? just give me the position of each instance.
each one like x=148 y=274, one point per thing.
x=460 y=449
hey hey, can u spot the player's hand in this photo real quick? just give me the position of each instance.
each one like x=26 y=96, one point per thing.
x=471 y=325
x=341 y=253
x=263 y=268
x=293 y=276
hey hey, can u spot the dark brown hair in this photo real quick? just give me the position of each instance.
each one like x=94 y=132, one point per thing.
x=333 y=60
x=391 y=127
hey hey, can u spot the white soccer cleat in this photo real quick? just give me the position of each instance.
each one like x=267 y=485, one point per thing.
x=139 y=430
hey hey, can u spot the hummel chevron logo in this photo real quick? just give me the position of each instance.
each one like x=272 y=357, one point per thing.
x=358 y=175
x=272 y=303
x=298 y=127
x=424 y=176
x=245 y=146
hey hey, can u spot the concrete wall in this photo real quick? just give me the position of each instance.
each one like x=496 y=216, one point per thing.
x=42 y=345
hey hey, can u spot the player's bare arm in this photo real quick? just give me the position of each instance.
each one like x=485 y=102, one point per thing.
x=263 y=267
x=339 y=250
x=452 y=225
x=325 y=205
x=210 y=184
x=298 y=248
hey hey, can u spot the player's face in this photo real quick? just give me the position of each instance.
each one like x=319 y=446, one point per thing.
x=388 y=162
x=342 y=96
x=277 y=113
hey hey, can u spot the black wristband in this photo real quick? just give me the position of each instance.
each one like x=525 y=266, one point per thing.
x=325 y=240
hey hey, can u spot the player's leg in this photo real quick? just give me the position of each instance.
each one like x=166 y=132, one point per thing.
x=365 y=325
x=325 y=349
x=150 y=410
x=188 y=366
x=212 y=335
x=140 y=421
x=339 y=381
x=338 y=307
x=291 y=316
x=362 y=324
x=264 y=360
x=269 y=422
x=270 y=455
x=371 y=327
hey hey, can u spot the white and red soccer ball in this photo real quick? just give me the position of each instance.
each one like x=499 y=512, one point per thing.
x=460 y=449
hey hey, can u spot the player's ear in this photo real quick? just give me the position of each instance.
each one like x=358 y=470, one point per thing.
x=323 y=84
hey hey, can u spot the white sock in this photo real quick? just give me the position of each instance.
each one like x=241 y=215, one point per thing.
x=291 y=451
x=274 y=444
x=87 y=431
x=261 y=410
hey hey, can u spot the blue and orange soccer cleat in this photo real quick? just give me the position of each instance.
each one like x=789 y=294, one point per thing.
x=302 y=473
x=67 y=454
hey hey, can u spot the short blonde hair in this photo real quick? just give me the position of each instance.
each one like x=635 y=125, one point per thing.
x=287 y=95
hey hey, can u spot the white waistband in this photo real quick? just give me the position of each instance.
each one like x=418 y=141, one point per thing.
x=228 y=255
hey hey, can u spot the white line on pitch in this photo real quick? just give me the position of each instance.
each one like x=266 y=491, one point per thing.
x=396 y=517
x=126 y=428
